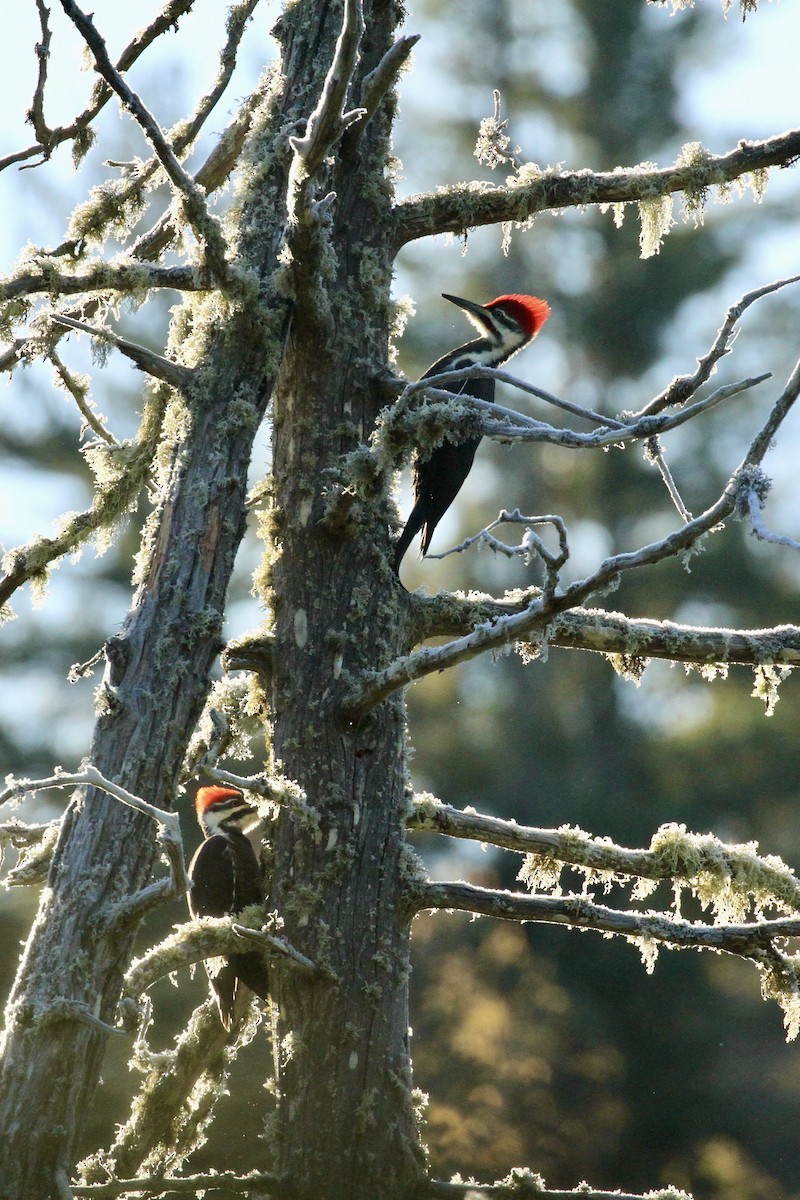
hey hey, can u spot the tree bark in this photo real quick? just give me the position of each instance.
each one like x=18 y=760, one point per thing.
x=156 y=679
x=345 y=1126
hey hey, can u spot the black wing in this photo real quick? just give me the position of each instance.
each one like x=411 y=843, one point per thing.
x=226 y=878
x=437 y=481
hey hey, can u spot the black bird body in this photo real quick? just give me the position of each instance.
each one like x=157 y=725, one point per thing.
x=508 y=324
x=226 y=878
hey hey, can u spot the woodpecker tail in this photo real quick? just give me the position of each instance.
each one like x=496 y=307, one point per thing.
x=413 y=525
x=248 y=969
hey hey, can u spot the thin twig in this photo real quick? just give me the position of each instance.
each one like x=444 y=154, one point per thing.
x=167 y=19
x=684 y=386
x=78 y=392
x=170 y=372
x=204 y=225
x=507 y=425
x=655 y=453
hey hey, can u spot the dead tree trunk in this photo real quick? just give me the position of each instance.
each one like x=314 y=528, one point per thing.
x=345 y=1126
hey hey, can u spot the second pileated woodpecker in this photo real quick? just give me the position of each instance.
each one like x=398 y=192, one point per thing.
x=226 y=877
x=506 y=325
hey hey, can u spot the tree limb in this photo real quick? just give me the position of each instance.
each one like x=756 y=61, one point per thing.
x=166 y=19
x=464 y=207
x=533 y=620
x=159 y=1185
x=170 y=372
x=127 y=277
x=747 y=940
x=31 y=561
x=739 y=875
x=204 y=225
x=523 y=1185
x=614 y=633
x=507 y=425
x=328 y=121
x=377 y=83
x=168 y=823
x=208 y=937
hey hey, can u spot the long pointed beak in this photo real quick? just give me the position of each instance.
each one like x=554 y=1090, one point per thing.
x=469 y=305
x=476 y=313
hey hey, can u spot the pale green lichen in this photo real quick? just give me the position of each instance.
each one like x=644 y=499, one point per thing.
x=655 y=215
x=767 y=680
x=731 y=880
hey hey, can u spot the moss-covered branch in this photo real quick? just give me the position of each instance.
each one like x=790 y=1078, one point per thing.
x=78 y=131
x=103 y=277
x=613 y=633
x=205 y=227
x=465 y=206
x=532 y=622
x=729 y=878
x=109 y=506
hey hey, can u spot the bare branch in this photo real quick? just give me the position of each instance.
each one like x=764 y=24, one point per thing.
x=328 y=121
x=204 y=225
x=378 y=82
x=167 y=19
x=462 y=207
x=36 y=114
x=747 y=940
x=146 y=360
x=507 y=425
x=530 y=546
x=655 y=453
x=685 y=386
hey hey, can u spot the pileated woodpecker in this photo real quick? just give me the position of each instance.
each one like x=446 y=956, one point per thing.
x=226 y=877
x=506 y=325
